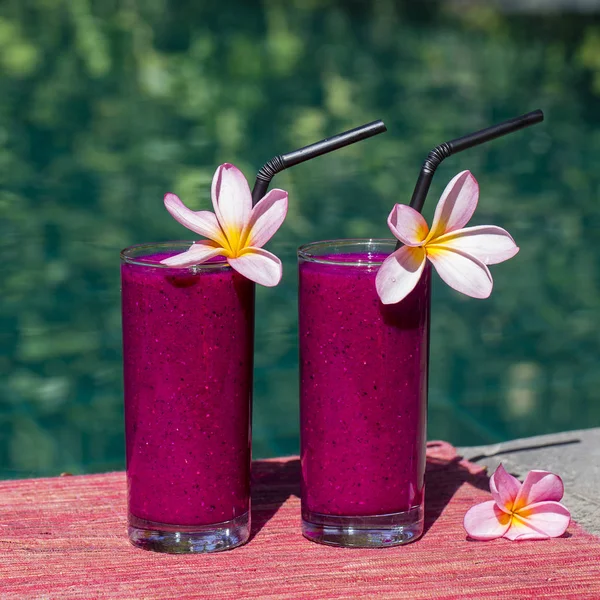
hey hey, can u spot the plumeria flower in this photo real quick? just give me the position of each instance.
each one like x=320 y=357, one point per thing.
x=460 y=255
x=520 y=511
x=236 y=230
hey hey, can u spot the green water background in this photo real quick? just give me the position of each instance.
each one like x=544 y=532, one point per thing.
x=107 y=104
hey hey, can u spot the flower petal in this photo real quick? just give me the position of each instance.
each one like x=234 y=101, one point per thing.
x=258 y=265
x=203 y=222
x=486 y=521
x=539 y=486
x=456 y=206
x=399 y=274
x=408 y=225
x=197 y=253
x=539 y=522
x=490 y=244
x=464 y=273
x=504 y=488
x=266 y=218
x=232 y=201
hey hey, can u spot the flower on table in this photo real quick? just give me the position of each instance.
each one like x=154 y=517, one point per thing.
x=459 y=254
x=520 y=511
x=236 y=230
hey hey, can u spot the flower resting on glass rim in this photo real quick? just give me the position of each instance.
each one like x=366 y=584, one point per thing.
x=236 y=230
x=459 y=254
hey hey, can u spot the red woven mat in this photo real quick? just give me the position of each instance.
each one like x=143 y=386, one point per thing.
x=66 y=538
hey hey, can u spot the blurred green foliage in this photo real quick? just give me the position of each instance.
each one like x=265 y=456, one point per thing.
x=107 y=104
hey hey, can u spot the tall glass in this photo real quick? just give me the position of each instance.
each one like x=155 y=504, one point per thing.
x=188 y=358
x=363 y=398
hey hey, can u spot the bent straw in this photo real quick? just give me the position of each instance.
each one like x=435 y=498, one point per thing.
x=438 y=154
x=283 y=161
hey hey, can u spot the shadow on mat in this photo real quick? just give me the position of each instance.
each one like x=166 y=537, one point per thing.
x=443 y=477
x=273 y=482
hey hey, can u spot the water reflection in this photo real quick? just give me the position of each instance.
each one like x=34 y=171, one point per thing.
x=107 y=105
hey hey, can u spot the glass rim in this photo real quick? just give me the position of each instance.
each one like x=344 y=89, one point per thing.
x=305 y=251
x=127 y=256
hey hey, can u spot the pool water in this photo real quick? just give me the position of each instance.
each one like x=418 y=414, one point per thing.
x=108 y=105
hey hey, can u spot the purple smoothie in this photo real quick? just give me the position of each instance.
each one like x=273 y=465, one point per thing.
x=187 y=351
x=363 y=386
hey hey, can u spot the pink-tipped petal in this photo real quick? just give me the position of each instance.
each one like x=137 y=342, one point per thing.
x=202 y=222
x=504 y=488
x=266 y=218
x=399 y=274
x=456 y=206
x=408 y=225
x=258 y=265
x=232 y=201
x=539 y=522
x=486 y=521
x=490 y=244
x=198 y=253
x=539 y=486
x=464 y=273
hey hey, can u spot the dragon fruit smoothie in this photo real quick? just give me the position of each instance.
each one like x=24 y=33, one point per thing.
x=363 y=398
x=187 y=351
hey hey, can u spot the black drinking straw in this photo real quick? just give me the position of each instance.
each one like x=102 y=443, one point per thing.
x=283 y=161
x=438 y=154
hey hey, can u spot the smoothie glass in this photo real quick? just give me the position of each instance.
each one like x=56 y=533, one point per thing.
x=188 y=358
x=363 y=398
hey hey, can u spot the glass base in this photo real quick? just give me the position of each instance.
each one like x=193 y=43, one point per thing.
x=184 y=539
x=379 y=531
